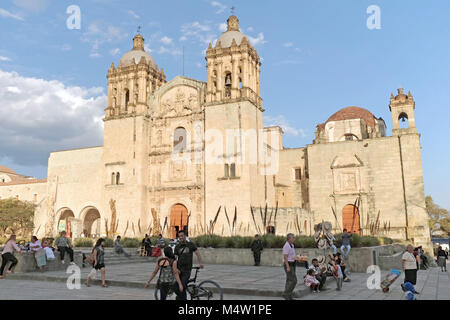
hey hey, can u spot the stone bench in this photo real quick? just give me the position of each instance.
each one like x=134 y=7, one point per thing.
x=27 y=262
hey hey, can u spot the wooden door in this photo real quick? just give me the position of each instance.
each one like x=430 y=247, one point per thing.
x=178 y=219
x=350 y=219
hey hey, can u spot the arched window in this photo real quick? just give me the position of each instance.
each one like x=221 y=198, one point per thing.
x=349 y=137
x=127 y=99
x=118 y=178
x=113 y=178
x=403 y=120
x=179 y=139
x=228 y=83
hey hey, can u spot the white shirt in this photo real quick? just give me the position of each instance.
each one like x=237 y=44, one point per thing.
x=36 y=243
x=410 y=260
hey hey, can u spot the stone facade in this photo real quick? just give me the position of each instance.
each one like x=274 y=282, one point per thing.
x=176 y=153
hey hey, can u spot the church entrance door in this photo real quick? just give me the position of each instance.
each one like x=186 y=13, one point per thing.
x=350 y=219
x=178 y=220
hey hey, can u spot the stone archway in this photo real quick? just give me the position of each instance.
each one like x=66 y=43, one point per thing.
x=178 y=220
x=350 y=219
x=64 y=223
x=91 y=223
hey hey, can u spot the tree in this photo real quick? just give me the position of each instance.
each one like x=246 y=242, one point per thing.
x=16 y=217
x=438 y=216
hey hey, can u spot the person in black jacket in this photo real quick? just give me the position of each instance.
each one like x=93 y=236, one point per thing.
x=257 y=248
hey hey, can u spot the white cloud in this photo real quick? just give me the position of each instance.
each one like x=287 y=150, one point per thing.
x=114 y=51
x=3 y=58
x=220 y=7
x=32 y=5
x=202 y=33
x=183 y=38
x=172 y=51
x=250 y=29
x=97 y=34
x=95 y=55
x=66 y=47
x=42 y=116
x=166 y=40
x=284 y=124
x=133 y=14
x=288 y=44
x=258 y=40
x=6 y=14
x=223 y=27
x=147 y=48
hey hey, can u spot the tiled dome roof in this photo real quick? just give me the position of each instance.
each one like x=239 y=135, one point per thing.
x=4 y=169
x=352 y=113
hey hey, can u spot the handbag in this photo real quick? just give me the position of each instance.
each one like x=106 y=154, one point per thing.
x=90 y=259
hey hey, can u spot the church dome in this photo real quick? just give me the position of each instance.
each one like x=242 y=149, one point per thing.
x=232 y=32
x=354 y=113
x=137 y=53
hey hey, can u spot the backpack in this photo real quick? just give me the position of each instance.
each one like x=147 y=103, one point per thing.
x=166 y=276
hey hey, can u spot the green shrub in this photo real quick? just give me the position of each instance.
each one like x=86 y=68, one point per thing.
x=273 y=241
x=83 y=242
x=109 y=243
x=131 y=242
x=304 y=242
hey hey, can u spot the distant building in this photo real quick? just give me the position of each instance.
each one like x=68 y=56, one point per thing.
x=175 y=152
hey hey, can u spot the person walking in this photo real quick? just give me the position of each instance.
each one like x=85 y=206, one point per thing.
x=346 y=242
x=8 y=255
x=64 y=245
x=184 y=250
x=147 y=244
x=442 y=257
x=289 y=267
x=161 y=241
x=168 y=274
x=409 y=265
x=99 y=261
x=257 y=247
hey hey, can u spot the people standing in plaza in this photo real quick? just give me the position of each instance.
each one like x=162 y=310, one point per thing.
x=442 y=257
x=8 y=255
x=39 y=252
x=168 y=274
x=64 y=245
x=99 y=261
x=161 y=241
x=257 y=248
x=289 y=267
x=184 y=250
x=118 y=247
x=346 y=242
x=409 y=265
x=147 y=244
x=319 y=273
x=337 y=274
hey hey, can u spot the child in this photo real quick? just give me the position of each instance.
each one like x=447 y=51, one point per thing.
x=311 y=281
x=409 y=290
x=337 y=274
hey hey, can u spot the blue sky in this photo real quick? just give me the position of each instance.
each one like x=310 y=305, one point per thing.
x=318 y=57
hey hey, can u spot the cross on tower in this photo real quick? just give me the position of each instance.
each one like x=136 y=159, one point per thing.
x=139 y=29
x=232 y=10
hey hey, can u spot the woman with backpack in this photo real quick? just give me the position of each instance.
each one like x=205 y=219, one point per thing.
x=98 y=261
x=168 y=273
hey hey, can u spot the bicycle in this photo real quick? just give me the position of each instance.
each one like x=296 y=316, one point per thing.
x=207 y=289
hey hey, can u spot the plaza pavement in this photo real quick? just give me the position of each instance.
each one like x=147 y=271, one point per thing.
x=237 y=282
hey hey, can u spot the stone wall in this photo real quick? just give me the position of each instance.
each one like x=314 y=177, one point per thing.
x=27 y=262
x=385 y=257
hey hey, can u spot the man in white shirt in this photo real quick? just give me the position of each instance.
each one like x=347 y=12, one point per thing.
x=289 y=267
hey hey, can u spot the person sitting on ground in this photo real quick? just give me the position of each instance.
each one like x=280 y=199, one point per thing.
x=311 y=281
x=346 y=242
x=39 y=252
x=168 y=274
x=8 y=255
x=319 y=273
x=118 y=247
x=64 y=245
x=257 y=248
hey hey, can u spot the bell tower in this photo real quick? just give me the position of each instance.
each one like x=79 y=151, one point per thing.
x=402 y=109
x=233 y=68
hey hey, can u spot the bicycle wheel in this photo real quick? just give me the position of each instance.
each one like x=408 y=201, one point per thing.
x=209 y=290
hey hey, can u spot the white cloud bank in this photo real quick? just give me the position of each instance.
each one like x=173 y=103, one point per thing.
x=284 y=124
x=39 y=116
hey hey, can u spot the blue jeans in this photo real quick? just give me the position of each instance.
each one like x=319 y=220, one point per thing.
x=348 y=249
x=334 y=249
